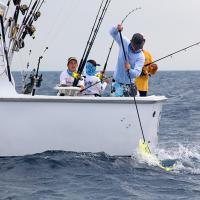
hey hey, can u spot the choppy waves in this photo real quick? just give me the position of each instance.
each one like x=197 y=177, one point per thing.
x=58 y=175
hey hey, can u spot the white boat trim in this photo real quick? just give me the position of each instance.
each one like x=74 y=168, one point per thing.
x=84 y=99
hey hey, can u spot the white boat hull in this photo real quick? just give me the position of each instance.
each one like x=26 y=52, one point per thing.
x=83 y=124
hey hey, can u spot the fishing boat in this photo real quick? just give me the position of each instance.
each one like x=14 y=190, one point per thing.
x=37 y=123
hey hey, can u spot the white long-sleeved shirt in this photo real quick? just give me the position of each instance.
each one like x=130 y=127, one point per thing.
x=68 y=80
x=96 y=89
x=135 y=59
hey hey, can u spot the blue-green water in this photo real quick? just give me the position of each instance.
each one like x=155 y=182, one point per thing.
x=85 y=176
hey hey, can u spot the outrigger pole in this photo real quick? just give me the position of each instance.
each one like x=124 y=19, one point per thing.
x=171 y=54
x=110 y=49
x=4 y=47
x=92 y=38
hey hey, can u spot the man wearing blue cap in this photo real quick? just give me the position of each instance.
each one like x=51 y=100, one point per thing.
x=134 y=63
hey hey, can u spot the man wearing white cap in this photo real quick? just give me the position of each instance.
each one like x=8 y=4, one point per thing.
x=67 y=76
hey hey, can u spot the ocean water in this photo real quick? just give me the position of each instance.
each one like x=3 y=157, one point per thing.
x=54 y=175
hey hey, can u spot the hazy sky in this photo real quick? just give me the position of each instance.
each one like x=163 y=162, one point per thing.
x=168 y=25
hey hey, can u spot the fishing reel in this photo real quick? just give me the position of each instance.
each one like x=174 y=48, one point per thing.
x=16 y=2
x=100 y=75
x=76 y=75
x=33 y=81
x=14 y=31
x=20 y=43
x=23 y=9
x=30 y=29
x=39 y=81
x=36 y=15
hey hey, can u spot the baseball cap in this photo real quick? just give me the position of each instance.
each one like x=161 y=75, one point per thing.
x=138 y=40
x=71 y=58
x=93 y=62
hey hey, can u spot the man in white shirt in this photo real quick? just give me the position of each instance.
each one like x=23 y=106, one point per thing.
x=67 y=76
x=93 y=84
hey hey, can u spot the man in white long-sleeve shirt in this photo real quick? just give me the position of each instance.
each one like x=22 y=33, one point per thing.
x=93 y=85
x=135 y=57
x=66 y=77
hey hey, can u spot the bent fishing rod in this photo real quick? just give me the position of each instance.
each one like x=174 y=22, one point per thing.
x=37 y=72
x=171 y=54
x=92 y=39
x=131 y=84
x=110 y=49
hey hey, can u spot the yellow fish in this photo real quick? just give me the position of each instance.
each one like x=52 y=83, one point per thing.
x=147 y=155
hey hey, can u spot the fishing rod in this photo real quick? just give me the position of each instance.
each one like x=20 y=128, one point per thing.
x=100 y=22
x=14 y=27
x=171 y=54
x=131 y=84
x=28 y=13
x=97 y=29
x=91 y=37
x=27 y=27
x=38 y=78
x=25 y=16
x=7 y=9
x=88 y=42
x=25 y=73
x=110 y=49
x=5 y=49
x=81 y=67
x=29 y=55
x=37 y=13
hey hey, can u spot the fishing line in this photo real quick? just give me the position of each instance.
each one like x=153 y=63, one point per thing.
x=58 y=22
x=91 y=43
x=195 y=44
x=131 y=84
